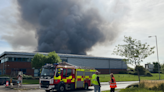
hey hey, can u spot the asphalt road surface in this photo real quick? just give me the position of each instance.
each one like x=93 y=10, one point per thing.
x=104 y=86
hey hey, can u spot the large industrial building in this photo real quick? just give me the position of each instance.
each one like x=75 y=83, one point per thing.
x=21 y=61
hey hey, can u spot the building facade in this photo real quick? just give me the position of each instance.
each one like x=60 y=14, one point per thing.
x=149 y=67
x=11 y=62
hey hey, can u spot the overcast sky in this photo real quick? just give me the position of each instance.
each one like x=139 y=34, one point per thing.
x=136 y=18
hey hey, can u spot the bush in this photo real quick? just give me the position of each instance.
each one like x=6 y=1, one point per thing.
x=130 y=72
x=161 y=87
x=147 y=73
x=141 y=70
x=135 y=73
x=27 y=76
x=122 y=72
x=133 y=85
x=142 y=85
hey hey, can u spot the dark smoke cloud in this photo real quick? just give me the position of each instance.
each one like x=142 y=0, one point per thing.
x=64 y=25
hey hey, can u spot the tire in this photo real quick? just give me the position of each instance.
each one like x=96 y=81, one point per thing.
x=47 y=90
x=61 y=88
x=86 y=86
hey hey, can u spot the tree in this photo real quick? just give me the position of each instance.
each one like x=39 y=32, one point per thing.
x=155 y=69
x=52 y=57
x=39 y=59
x=133 y=51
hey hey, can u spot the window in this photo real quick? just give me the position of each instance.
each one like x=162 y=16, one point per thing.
x=58 y=72
x=24 y=59
x=64 y=73
x=0 y=72
x=36 y=72
x=15 y=59
x=2 y=61
x=6 y=59
x=69 y=72
x=10 y=59
x=19 y=59
x=28 y=59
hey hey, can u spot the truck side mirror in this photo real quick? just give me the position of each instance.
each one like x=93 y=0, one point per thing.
x=57 y=74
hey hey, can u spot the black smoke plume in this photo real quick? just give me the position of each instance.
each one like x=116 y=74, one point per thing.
x=64 y=26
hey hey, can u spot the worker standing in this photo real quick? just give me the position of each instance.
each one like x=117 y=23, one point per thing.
x=112 y=83
x=19 y=80
x=96 y=81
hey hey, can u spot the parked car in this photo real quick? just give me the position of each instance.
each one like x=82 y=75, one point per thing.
x=4 y=79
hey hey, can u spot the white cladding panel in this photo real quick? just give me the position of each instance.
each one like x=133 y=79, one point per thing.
x=114 y=64
x=95 y=63
x=124 y=65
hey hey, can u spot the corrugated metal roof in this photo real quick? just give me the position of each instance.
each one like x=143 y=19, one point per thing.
x=61 y=55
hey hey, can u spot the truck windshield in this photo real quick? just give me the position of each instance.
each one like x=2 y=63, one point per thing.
x=48 y=72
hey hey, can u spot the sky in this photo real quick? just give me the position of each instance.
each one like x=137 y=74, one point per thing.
x=136 y=18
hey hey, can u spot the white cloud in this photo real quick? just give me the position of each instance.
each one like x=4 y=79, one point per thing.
x=144 y=18
x=18 y=38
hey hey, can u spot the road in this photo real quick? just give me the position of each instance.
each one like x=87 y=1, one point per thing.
x=104 y=86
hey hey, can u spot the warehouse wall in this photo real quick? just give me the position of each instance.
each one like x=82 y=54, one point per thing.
x=117 y=64
x=103 y=65
x=95 y=63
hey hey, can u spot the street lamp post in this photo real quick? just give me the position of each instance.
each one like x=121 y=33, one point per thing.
x=157 y=54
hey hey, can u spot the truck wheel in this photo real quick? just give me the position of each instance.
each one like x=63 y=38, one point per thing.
x=47 y=90
x=61 y=88
x=86 y=86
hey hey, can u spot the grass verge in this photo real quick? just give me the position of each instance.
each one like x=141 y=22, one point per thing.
x=129 y=77
x=30 y=81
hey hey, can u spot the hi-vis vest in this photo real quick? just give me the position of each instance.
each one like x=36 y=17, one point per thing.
x=113 y=84
x=94 y=79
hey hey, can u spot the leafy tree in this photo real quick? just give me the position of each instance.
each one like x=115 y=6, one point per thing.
x=39 y=59
x=52 y=57
x=155 y=70
x=133 y=51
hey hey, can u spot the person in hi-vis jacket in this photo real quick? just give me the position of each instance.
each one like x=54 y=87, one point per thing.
x=112 y=83
x=96 y=81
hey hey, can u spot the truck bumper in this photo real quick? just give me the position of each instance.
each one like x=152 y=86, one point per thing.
x=47 y=88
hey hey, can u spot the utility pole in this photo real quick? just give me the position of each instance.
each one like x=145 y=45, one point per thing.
x=157 y=54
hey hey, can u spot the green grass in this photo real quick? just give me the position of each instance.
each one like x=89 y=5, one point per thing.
x=30 y=81
x=128 y=77
x=137 y=90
